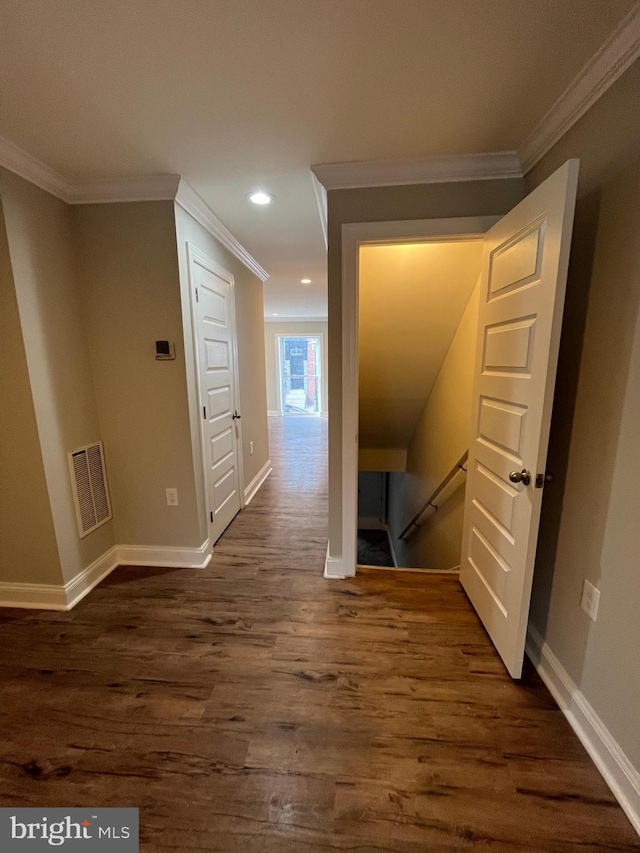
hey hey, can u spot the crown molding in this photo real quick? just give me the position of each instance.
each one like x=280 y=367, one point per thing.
x=33 y=170
x=195 y=206
x=321 y=200
x=136 y=188
x=162 y=187
x=618 y=52
x=428 y=170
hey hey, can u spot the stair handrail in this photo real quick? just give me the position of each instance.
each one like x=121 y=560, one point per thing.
x=430 y=503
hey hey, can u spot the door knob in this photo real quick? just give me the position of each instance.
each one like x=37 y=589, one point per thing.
x=523 y=476
x=235 y=416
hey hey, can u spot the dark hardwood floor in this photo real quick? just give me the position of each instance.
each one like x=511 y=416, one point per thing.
x=254 y=706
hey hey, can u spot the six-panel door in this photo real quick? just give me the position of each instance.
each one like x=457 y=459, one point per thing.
x=522 y=299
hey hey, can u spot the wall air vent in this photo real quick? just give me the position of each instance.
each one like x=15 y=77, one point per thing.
x=89 y=483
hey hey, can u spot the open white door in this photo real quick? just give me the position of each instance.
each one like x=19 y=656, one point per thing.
x=521 y=304
x=214 y=332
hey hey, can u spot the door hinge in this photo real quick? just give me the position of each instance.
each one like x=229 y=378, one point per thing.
x=197 y=296
x=211 y=516
x=204 y=412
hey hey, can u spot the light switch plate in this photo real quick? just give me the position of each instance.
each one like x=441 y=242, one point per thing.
x=590 y=600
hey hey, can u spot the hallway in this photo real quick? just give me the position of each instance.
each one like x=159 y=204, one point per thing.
x=254 y=706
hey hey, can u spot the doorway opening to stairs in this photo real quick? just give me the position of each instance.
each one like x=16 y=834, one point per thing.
x=417 y=319
x=525 y=257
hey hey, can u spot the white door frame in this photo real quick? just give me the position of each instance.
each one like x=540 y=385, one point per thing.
x=355 y=235
x=320 y=336
x=195 y=254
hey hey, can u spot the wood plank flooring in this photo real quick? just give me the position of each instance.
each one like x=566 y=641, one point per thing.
x=254 y=706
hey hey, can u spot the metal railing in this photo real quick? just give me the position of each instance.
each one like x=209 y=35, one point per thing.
x=430 y=503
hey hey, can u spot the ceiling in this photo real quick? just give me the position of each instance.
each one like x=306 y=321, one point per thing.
x=238 y=94
x=411 y=300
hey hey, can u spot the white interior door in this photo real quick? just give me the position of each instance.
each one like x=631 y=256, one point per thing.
x=214 y=330
x=522 y=300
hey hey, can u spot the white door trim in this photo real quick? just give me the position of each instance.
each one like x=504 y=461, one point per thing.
x=355 y=235
x=195 y=254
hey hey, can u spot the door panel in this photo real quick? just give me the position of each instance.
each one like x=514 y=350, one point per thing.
x=522 y=298
x=213 y=327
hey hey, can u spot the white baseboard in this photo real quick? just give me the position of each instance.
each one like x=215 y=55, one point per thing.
x=334 y=568
x=258 y=480
x=59 y=596
x=76 y=589
x=169 y=556
x=65 y=596
x=35 y=596
x=271 y=413
x=616 y=769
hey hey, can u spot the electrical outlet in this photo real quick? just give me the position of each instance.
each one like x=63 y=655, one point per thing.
x=251 y=448
x=172 y=497
x=590 y=600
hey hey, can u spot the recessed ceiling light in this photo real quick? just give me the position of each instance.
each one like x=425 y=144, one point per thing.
x=261 y=197
x=275 y=315
x=305 y=281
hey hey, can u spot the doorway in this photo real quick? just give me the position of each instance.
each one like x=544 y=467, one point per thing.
x=300 y=374
x=523 y=280
x=415 y=380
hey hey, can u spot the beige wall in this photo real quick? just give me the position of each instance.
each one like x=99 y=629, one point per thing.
x=38 y=228
x=439 y=440
x=411 y=299
x=382 y=458
x=249 y=308
x=95 y=287
x=127 y=263
x=380 y=204
x=590 y=513
x=271 y=332
x=28 y=549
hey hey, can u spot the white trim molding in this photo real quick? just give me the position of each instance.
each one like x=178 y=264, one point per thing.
x=613 y=58
x=323 y=211
x=167 y=556
x=195 y=206
x=135 y=188
x=614 y=766
x=335 y=569
x=258 y=480
x=427 y=170
x=162 y=187
x=59 y=596
x=31 y=169
x=82 y=584
x=37 y=596
x=34 y=596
